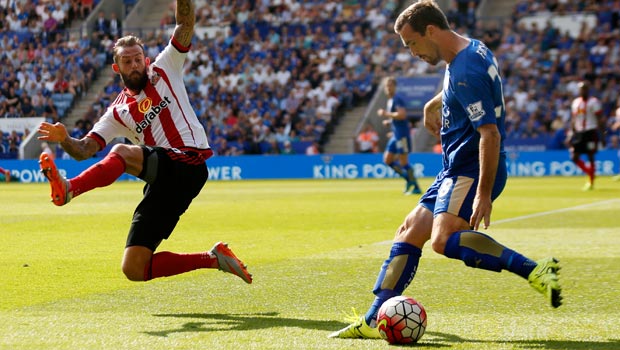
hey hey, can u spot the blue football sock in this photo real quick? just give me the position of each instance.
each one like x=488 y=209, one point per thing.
x=410 y=176
x=396 y=274
x=478 y=250
x=398 y=169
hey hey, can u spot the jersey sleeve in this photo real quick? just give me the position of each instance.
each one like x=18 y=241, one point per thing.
x=108 y=128
x=476 y=96
x=172 y=57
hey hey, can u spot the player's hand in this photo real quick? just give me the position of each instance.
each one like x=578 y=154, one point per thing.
x=432 y=115
x=432 y=120
x=52 y=132
x=381 y=112
x=481 y=213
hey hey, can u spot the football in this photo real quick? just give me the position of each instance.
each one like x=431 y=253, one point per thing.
x=401 y=320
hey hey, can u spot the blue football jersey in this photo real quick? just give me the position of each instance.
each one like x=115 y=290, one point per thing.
x=472 y=96
x=399 y=127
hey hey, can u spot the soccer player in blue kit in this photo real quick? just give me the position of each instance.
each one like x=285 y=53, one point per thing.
x=469 y=117
x=396 y=154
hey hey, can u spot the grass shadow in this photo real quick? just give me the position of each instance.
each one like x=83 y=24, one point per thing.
x=254 y=321
x=227 y=322
x=446 y=340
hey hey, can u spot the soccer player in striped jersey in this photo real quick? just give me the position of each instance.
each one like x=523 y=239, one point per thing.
x=587 y=124
x=168 y=151
x=468 y=115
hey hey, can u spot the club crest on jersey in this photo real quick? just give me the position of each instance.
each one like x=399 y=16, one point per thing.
x=155 y=78
x=151 y=113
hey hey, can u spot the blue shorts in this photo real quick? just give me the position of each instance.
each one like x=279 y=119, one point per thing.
x=399 y=146
x=455 y=193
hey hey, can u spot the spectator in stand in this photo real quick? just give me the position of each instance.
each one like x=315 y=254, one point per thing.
x=313 y=149
x=102 y=25
x=27 y=108
x=287 y=148
x=368 y=140
x=12 y=98
x=78 y=130
x=114 y=26
x=50 y=25
x=86 y=7
x=38 y=102
x=50 y=113
x=587 y=123
x=61 y=85
x=15 y=138
x=12 y=112
x=60 y=15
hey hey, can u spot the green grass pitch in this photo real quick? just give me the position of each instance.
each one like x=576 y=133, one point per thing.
x=315 y=248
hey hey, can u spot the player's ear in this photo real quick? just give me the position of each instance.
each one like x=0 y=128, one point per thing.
x=147 y=61
x=115 y=68
x=430 y=30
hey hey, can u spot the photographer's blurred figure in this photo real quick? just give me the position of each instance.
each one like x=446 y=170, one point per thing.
x=367 y=140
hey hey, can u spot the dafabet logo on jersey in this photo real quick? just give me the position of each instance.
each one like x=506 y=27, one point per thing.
x=150 y=112
x=145 y=105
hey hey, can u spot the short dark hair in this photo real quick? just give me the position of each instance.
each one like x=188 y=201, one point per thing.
x=126 y=41
x=419 y=15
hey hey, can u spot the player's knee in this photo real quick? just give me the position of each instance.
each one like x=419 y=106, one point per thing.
x=133 y=272
x=120 y=148
x=438 y=243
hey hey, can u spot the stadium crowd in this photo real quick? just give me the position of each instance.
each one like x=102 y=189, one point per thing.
x=543 y=66
x=287 y=71
x=44 y=66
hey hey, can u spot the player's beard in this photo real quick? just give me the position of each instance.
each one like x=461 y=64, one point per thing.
x=135 y=81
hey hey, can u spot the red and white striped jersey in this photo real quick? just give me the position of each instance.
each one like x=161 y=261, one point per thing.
x=586 y=113
x=161 y=114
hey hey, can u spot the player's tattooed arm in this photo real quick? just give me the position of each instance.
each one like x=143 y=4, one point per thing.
x=78 y=149
x=186 y=18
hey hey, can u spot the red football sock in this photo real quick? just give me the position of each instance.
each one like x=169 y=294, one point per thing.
x=164 y=264
x=591 y=173
x=100 y=174
x=582 y=165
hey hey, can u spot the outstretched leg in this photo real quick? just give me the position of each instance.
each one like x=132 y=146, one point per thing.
x=140 y=264
x=478 y=250
x=122 y=158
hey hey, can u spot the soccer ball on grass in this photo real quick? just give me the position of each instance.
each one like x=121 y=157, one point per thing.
x=401 y=320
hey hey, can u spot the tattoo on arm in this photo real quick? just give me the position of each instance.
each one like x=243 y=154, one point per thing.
x=186 y=17
x=80 y=149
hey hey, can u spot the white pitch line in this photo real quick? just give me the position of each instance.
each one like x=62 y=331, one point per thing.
x=555 y=211
x=543 y=213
